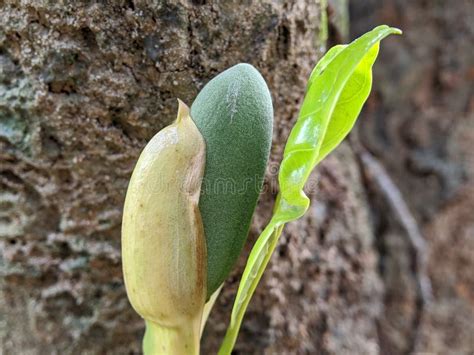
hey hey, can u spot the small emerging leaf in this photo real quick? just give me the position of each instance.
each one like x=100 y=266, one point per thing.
x=337 y=89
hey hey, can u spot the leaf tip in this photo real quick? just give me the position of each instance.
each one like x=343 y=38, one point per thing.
x=388 y=29
x=183 y=110
x=396 y=31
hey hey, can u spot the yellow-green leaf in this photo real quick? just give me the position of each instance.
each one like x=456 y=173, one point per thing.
x=336 y=91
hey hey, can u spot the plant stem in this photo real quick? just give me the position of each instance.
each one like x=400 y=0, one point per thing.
x=273 y=231
x=164 y=340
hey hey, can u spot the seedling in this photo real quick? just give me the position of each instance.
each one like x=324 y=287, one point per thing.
x=182 y=234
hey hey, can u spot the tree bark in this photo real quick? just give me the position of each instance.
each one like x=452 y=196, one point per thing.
x=419 y=123
x=83 y=87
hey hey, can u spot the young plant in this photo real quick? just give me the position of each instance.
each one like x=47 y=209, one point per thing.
x=163 y=243
x=168 y=274
x=174 y=249
x=336 y=91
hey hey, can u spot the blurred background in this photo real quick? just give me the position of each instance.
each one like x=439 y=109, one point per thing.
x=419 y=124
x=381 y=264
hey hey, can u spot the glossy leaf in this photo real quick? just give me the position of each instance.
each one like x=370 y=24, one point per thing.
x=337 y=89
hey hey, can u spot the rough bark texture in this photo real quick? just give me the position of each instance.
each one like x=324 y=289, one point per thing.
x=419 y=122
x=83 y=87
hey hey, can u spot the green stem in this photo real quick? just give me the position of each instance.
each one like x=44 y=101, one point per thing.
x=171 y=340
x=238 y=311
